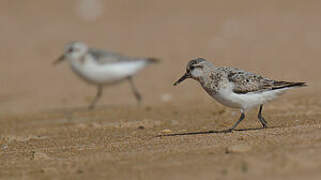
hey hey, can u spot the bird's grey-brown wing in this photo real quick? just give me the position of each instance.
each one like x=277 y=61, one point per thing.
x=104 y=57
x=245 y=82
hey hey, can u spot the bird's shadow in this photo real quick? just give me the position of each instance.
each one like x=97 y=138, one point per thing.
x=211 y=132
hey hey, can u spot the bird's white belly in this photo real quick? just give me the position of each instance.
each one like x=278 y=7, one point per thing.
x=245 y=101
x=108 y=73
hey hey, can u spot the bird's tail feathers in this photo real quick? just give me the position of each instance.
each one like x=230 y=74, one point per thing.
x=285 y=84
x=152 y=60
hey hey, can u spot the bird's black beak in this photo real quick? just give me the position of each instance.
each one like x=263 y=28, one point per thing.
x=185 y=76
x=59 y=60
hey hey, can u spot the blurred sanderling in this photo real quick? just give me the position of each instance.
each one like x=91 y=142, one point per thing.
x=103 y=68
x=236 y=88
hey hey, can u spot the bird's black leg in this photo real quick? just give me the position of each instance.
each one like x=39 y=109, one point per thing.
x=238 y=121
x=134 y=89
x=261 y=119
x=98 y=95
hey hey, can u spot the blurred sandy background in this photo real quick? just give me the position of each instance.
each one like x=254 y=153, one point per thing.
x=279 y=39
x=47 y=132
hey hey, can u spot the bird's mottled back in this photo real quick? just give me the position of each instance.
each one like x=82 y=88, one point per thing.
x=105 y=57
x=245 y=82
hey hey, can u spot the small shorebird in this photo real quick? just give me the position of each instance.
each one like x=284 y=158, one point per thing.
x=103 y=68
x=236 y=88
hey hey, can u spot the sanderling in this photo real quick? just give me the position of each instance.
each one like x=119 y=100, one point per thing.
x=236 y=88
x=102 y=68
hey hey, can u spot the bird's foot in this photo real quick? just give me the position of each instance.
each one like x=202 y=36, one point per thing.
x=264 y=126
x=263 y=122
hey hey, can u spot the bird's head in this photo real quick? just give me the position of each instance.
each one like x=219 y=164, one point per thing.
x=73 y=50
x=195 y=69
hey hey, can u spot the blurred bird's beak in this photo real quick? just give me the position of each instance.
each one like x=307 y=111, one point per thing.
x=59 y=60
x=185 y=76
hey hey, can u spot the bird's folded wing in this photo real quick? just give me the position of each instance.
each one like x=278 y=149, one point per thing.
x=245 y=82
x=104 y=57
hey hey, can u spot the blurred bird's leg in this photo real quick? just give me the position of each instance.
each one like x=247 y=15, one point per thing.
x=134 y=89
x=98 y=95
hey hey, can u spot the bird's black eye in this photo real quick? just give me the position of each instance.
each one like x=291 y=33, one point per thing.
x=192 y=67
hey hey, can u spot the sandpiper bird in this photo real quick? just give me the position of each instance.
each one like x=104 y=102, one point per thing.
x=102 y=68
x=236 y=88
